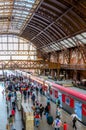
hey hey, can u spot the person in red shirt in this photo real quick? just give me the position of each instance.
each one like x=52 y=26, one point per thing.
x=13 y=113
x=65 y=126
x=37 y=119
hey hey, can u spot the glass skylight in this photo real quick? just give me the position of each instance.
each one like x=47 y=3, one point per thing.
x=67 y=43
x=14 y=14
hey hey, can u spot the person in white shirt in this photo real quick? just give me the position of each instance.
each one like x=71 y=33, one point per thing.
x=57 y=123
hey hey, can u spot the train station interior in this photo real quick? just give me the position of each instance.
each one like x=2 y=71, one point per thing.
x=43 y=64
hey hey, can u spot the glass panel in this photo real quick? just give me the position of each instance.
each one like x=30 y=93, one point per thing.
x=10 y=10
x=21 y=46
x=4 y=57
x=4 y=46
x=20 y=57
x=15 y=45
x=79 y=37
x=84 y=34
x=10 y=46
x=10 y=39
x=83 y=41
x=25 y=47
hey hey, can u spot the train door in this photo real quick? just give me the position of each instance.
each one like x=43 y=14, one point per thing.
x=78 y=109
x=60 y=97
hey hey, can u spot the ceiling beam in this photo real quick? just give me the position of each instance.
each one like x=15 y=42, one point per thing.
x=28 y=21
x=53 y=22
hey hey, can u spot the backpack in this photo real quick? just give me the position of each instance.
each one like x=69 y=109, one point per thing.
x=49 y=120
x=57 y=123
x=58 y=102
x=75 y=119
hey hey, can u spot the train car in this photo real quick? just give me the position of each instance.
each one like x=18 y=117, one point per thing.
x=71 y=100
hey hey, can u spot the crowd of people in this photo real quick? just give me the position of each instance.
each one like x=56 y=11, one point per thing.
x=28 y=90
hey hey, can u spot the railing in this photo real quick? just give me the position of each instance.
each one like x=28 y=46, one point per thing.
x=74 y=67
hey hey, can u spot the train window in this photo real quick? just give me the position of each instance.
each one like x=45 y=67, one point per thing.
x=78 y=109
x=60 y=97
x=67 y=101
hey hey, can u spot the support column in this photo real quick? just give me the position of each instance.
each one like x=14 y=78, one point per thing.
x=58 y=72
x=75 y=75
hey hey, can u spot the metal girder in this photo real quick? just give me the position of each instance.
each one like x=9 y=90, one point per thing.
x=48 y=36
x=42 y=18
x=25 y=26
x=82 y=50
x=72 y=21
x=60 y=30
x=79 y=19
x=28 y=64
x=73 y=67
x=78 y=5
x=17 y=53
x=51 y=8
x=32 y=64
x=36 y=20
x=66 y=55
x=53 y=22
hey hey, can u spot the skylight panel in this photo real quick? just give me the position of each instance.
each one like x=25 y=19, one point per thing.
x=84 y=34
x=68 y=43
x=79 y=37
x=32 y=1
x=64 y=44
x=83 y=41
x=69 y=39
x=11 y=10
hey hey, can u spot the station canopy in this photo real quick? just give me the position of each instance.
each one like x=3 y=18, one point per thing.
x=51 y=25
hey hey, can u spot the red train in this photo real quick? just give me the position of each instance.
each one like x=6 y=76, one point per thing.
x=71 y=100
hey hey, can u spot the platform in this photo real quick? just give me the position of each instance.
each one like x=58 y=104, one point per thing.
x=43 y=124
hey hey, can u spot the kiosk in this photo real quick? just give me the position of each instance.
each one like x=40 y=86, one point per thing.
x=27 y=116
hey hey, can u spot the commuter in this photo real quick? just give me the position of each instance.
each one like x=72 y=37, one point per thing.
x=58 y=102
x=37 y=91
x=41 y=90
x=74 y=120
x=12 y=100
x=65 y=126
x=48 y=100
x=46 y=112
x=57 y=123
x=37 y=108
x=28 y=93
x=33 y=108
x=48 y=104
x=58 y=111
x=37 y=119
x=25 y=93
x=41 y=110
x=10 y=121
x=13 y=113
x=33 y=98
x=3 y=92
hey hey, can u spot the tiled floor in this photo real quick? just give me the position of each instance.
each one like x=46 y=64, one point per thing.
x=43 y=124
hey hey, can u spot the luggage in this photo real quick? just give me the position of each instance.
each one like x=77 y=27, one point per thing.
x=50 y=120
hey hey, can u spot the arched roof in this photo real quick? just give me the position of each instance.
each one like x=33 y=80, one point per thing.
x=48 y=24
